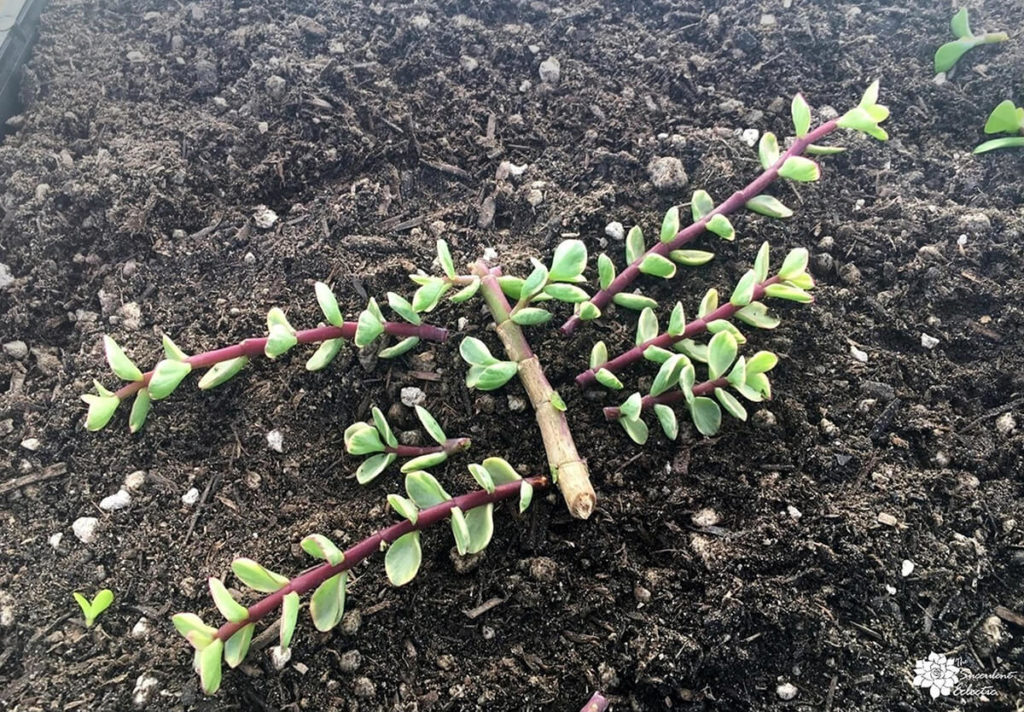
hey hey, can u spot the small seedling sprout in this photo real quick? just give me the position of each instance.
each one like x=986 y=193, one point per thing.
x=92 y=609
x=1005 y=118
x=950 y=53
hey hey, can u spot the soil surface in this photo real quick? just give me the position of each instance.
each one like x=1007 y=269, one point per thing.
x=151 y=132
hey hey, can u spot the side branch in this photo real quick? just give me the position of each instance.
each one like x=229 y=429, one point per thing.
x=736 y=201
x=371 y=545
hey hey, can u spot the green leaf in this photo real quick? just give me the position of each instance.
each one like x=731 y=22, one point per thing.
x=166 y=377
x=279 y=341
x=405 y=507
x=706 y=414
x=996 y=143
x=475 y=352
x=738 y=374
x=569 y=261
x=646 y=326
x=401 y=306
x=402 y=560
x=257 y=577
x=668 y=374
x=732 y=406
x=140 y=409
x=768 y=206
x=525 y=496
x=482 y=476
x=444 y=256
x=960 y=25
x=531 y=316
x=467 y=292
x=870 y=96
x=320 y=547
x=557 y=403
x=768 y=150
x=289 y=617
x=101 y=410
x=237 y=646
x=328 y=304
x=492 y=377
x=801 y=113
x=607 y=379
x=802 y=280
x=222 y=372
x=785 y=291
x=92 y=609
x=381 y=423
x=426 y=298
x=630 y=408
x=722 y=351
x=701 y=204
x=761 y=362
x=119 y=362
x=324 y=354
x=403 y=346
x=1005 y=118
x=171 y=350
x=598 y=355
x=634 y=244
x=698 y=352
x=511 y=286
x=658 y=266
x=480 y=521
x=756 y=314
x=691 y=258
x=362 y=439
x=370 y=468
x=677 y=320
x=635 y=429
x=431 y=425
x=686 y=381
x=630 y=300
x=588 y=311
x=425 y=462
x=460 y=529
x=535 y=282
x=720 y=225
x=209 y=667
x=656 y=354
x=800 y=169
x=762 y=262
x=718 y=325
x=859 y=119
x=424 y=489
x=369 y=326
x=327 y=605
x=794 y=264
x=231 y=609
x=667 y=420
x=670 y=224
x=500 y=471
x=743 y=294
x=605 y=270
x=569 y=293
x=816 y=150
x=708 y=304
x=760 y=383
x=186 y=623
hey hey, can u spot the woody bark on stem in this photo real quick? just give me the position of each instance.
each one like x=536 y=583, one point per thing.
x=567 y=467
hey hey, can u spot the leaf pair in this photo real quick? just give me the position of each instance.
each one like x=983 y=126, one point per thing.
x=950 y=53
x=377 y=439
x=92 y=609
x=557 y=282
x=867 y=115
x=1005 y=118
x=486 y=373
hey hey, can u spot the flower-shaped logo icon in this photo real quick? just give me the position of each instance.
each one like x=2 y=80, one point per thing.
x=937 y=673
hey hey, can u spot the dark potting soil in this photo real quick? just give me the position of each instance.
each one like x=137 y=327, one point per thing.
x=152 y=132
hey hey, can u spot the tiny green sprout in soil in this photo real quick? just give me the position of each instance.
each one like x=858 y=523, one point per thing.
x=1006 y=118
x=710 y=346
x=950 y=53
x=92 y=609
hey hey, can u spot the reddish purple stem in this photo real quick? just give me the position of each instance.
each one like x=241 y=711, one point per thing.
x=367 y=547
x=648 y=402
x=734 y=203
x=695 y=327
x=254 y=347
